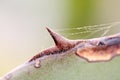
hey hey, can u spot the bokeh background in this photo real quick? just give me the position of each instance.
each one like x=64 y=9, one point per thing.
x=23 y=22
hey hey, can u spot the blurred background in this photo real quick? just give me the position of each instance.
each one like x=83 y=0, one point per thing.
x=23 y=22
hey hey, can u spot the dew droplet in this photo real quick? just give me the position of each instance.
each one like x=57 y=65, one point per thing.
x=37 y=64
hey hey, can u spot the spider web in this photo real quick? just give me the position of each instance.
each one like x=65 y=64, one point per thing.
x=91 y=31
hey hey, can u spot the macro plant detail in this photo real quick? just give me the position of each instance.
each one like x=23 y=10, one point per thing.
x=98 y=49
x=92 y=50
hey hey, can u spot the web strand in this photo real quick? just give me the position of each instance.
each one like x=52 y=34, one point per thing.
x=104 y=28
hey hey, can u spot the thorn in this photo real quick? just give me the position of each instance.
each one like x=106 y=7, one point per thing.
x=59 y=40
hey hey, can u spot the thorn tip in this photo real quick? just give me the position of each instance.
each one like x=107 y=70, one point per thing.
x=59 y=40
